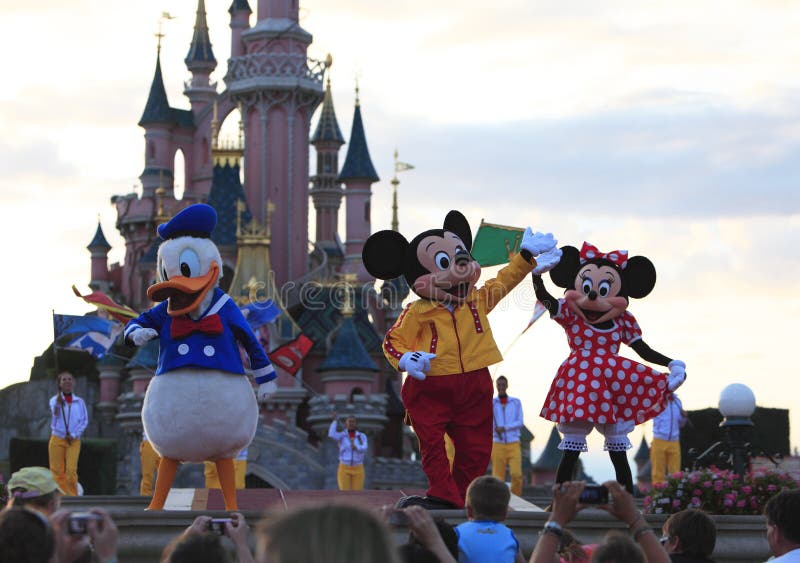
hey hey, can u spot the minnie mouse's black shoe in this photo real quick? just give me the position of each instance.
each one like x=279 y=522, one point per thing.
x=426 y=502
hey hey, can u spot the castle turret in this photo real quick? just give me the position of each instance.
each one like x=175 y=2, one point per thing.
x=278 y=88
x=201 y=62
x=326 y=191
x=644 y=478
x=99 y=248
x=157 y=121
x=358 y=175
x=240 y=21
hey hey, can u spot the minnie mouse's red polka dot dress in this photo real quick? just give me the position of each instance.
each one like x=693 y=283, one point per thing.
x=598 y=385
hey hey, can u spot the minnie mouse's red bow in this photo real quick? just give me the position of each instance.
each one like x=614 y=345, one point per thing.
x=618 y=257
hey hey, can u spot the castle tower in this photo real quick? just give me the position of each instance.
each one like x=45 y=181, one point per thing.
x=240 y=21
x=326 y=191
x=644 y=478
x=99 y=248
x=358 y=175
x=545 y=468
x=278 y=88
x=201 y=62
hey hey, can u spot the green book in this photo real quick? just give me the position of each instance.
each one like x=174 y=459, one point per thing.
x=496 y=244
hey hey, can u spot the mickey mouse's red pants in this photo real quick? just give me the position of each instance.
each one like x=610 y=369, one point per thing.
x=461 y=405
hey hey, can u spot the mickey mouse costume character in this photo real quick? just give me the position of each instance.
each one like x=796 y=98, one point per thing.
x=444 y=342
x=198 y=406
x=595 y=387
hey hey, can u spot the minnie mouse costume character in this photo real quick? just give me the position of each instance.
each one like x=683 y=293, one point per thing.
x=444 y=342
x=595 y=387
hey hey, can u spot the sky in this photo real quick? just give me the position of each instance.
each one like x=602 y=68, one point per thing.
x=668 y=129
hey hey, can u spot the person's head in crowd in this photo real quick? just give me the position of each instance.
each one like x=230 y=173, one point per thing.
x=35 y=488
x=571 y=549
x=25 y=536
x=415 y=552
x=689 y=532
x=334 y=533
x=203 y=547
x=618 y=548
x=782 y=513
x=351 y=423
x=487 y=499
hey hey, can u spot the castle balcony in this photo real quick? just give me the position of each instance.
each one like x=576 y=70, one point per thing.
x=274 y=71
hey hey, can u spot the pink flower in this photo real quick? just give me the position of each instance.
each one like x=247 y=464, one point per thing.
x=697 y=492
x=694 y=478
x=772 y=488
x=717 y=486
x=747 y=489
x=695 y=501
x=727 y=502
x=707 y=484
x=676 y=503
x=740 y=503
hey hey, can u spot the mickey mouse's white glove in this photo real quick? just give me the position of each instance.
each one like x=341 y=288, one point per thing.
x=267 y=390
x=547 y=260
x=536 y=243
x=677 y=374
x=417 y=364
x=140 y=336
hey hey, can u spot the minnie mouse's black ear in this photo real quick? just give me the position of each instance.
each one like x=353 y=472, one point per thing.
x=384 y=254
x=563 y=275
x=456 y=223
x=639 y=276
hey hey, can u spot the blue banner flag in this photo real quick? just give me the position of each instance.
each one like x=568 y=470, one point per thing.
x=87 y=334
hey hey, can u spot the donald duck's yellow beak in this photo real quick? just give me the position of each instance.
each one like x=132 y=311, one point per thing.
x=184 y=294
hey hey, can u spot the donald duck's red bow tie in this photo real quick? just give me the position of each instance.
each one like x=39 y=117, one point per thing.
x=590 y=252
x=184 y=326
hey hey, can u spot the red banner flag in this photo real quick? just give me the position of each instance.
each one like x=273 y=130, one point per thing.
x=289 y=357
x=122 y=313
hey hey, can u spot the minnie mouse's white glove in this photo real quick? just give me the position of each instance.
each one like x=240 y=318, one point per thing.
x=140 y=336
x=547 y=260
x=536 y=243
x=417 y=364
x=677 y=374
x=267 y=390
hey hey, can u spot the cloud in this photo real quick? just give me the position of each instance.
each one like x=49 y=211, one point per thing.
x=710 y=162
x=31 y=161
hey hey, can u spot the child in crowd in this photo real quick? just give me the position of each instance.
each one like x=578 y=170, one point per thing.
x=485 y=539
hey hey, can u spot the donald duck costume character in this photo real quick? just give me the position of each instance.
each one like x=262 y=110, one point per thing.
x=198 y=406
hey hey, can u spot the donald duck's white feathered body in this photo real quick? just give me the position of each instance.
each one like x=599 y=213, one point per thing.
x=199 y=406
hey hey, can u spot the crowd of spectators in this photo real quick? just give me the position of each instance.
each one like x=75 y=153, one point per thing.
x=35 y=529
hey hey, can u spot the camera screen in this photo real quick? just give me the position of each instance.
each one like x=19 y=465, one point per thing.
x=77 y=523
x=594 y=494
x=218 y=525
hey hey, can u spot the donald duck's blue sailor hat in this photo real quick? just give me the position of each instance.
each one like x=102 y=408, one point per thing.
x=197 y=220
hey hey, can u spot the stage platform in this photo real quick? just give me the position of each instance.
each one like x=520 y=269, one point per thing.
x=143 y=535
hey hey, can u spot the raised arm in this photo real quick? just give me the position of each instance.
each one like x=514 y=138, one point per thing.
x=550 y=303
x=648 y=354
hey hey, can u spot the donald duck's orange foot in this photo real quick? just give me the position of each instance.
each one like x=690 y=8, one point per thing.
x=166 y=474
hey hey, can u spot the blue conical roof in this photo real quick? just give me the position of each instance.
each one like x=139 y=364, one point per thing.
x=226 y=191
x=200 y=54
x=157 y=109
x=239 y=5
x=358 y=164
x=643 y=452
x=327 y=126
x=348 y=352
x=99 y=241
x=551 y=456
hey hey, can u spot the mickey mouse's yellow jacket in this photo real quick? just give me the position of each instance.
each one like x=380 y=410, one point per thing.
x=462 y=339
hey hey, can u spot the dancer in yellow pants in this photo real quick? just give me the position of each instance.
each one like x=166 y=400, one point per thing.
x=239 y=468
x=352 y=447
x=150 y=460
x=506 y=447
x=69 y=419
x=665 y=452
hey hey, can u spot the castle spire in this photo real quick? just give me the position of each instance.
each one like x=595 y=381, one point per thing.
x=327 y=130
x=200 y=56
x=357 y=163
x=99 y=248
x=157 y=109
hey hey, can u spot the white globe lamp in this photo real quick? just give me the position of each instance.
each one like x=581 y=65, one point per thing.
x=737 y=401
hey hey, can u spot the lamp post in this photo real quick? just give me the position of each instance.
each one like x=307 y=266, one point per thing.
x=736 y=404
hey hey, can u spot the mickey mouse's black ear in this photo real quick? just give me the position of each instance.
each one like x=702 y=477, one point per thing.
x=639 y=276
x=563 y=275
x=456 y=223
x=384 y=254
